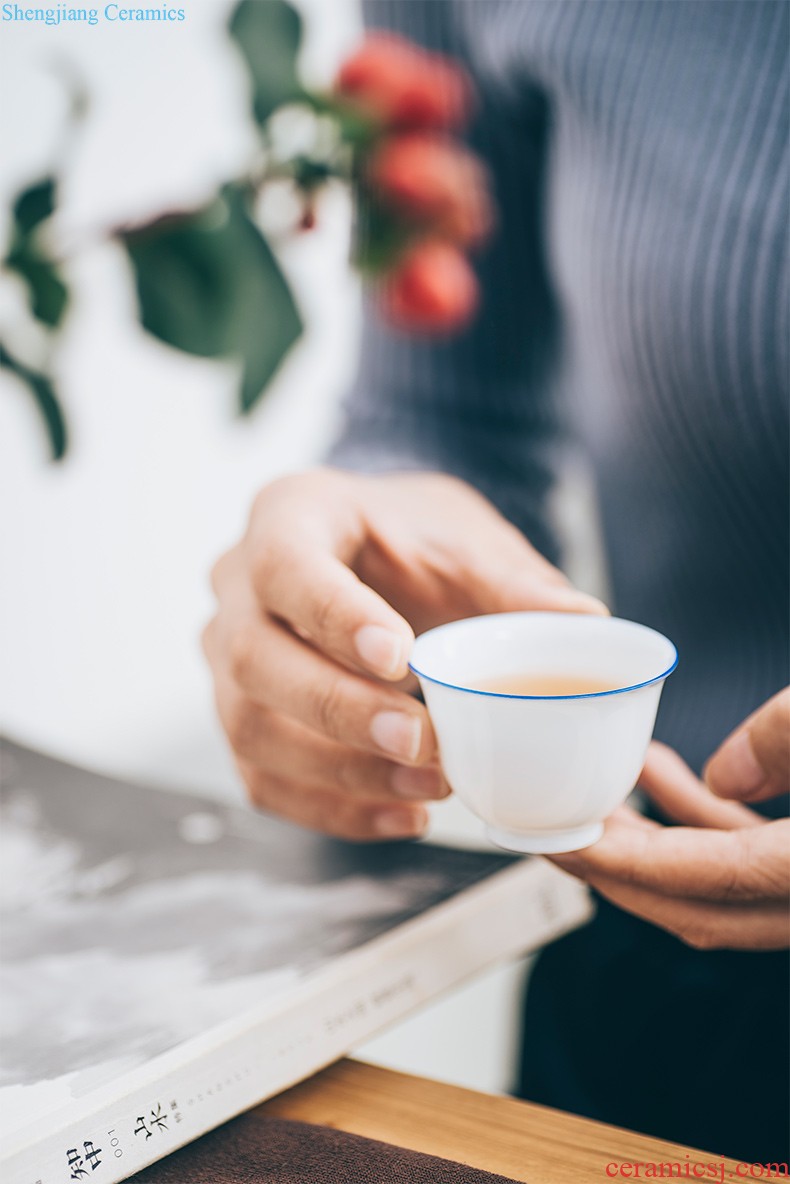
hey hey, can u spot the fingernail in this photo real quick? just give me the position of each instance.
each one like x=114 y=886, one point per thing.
x=381 y=650
x=397 y=733
x=734 y=771
x=418 y=784
x=400 y=824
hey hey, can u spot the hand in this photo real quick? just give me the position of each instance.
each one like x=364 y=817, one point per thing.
x=723 y=879
x=309 y=647
x=754 y=762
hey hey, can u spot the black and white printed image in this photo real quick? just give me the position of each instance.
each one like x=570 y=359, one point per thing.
x=134 y=919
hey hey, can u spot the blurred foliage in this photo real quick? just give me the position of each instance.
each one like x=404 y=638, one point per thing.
x=46 y=291
x=42 y=390
x=269 y=36
x=210 y=285
x=207 y=280
x=380 y=236
x=47 y=297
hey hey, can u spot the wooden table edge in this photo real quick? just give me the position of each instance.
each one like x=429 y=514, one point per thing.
x=524 y=1141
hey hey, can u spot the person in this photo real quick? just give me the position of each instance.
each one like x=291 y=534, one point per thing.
x=635 y=299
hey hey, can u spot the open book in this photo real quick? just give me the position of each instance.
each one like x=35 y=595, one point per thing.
x=169 y=961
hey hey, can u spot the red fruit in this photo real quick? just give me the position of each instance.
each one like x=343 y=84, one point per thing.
x=434 y=289
x=405 y=86
x=433 y=180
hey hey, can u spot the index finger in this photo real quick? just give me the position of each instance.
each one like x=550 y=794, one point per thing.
x=749 y=864
x=678 y=792
x=318 y=595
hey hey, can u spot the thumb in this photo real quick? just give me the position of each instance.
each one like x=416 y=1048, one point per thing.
x=754 y=762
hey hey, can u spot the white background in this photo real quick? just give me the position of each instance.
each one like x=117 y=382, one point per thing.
x=105 y=557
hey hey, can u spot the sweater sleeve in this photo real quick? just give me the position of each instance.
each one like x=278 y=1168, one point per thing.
x=482 y=405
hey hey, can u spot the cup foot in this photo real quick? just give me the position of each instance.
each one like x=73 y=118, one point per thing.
x=549 y=842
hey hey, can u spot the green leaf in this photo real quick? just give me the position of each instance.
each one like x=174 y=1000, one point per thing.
x=269 y=33
x=47 y=293
x=185 y=271
x=34 y=205
x=42 y=390
x=380 y=237
x=209 y=284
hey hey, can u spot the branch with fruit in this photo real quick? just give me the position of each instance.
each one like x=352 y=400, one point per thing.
x=207 y=279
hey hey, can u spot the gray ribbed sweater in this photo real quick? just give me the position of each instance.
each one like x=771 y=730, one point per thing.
x=636 y=295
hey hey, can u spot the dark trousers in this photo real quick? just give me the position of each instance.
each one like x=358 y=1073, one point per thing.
x=627 y=1025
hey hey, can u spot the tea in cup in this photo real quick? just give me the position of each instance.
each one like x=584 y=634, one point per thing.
x=543 y=719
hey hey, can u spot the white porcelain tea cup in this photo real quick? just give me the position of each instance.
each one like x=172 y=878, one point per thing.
x=543 y=771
